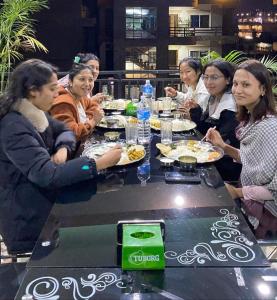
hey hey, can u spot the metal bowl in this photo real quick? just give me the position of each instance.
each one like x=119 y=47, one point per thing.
x=111 y=136
x=111 y=121
x=166 y=162
x=187 y=163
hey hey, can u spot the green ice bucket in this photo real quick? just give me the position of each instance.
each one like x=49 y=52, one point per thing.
x=142 y=247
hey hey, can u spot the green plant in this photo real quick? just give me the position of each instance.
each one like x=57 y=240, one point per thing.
x=17 y=33
x=270 y=63
x=235 y=57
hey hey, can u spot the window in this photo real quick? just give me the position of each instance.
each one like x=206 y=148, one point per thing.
x=141 y=22
x=200 y=21
x=197 y=54
x=140 y=58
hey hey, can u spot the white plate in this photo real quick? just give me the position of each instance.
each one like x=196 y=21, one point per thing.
x=203 y=152
x=95 y=151
x=177 y=125
x=119 y=104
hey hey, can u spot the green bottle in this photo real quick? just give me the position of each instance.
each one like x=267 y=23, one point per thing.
x=131 y=109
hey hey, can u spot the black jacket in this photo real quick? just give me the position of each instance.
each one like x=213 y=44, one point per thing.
x=29 y=179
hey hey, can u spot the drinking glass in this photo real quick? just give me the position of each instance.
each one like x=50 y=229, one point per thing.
x=167 y=105
x=154 y=107
x=166 y=131
x=131 y=132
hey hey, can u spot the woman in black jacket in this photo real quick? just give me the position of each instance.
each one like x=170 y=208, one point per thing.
x=220 y=112
x=34 y=149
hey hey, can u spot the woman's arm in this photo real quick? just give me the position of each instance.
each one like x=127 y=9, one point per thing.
x=23 y=148
x=65 y=113
x=215 y=138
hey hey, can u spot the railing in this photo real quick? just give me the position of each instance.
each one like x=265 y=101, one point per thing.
x=193 y=31
x=120 y=82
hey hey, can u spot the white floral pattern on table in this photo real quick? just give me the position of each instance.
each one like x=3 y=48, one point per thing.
x=52 y=286
x=235 y=246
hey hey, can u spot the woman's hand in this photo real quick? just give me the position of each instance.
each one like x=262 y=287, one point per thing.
x=233 y=191
x=215 y=138
x=98 y=114
x=99 y=97
x=109 y=159
x=191 y=103
x=170 y=92
x=60 y=156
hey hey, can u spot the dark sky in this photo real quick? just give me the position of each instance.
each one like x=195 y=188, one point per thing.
x=261 y=4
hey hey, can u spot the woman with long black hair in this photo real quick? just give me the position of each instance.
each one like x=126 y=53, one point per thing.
x=34 y=149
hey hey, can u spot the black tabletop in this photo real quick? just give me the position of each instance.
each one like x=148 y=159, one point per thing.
x=206 y=237
x=172 y=283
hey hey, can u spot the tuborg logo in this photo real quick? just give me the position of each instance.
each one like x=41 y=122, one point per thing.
x=139 y=258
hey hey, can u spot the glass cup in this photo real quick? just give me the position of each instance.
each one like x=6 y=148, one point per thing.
x=131 y=132
x=154 y=107
x=166 y=131
x=167 y=105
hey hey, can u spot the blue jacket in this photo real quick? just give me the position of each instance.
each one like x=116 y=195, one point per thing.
x=28 y=178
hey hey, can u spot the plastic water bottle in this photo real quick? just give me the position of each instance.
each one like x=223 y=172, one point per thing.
x=143 y=173
x=147 y=90
x=143 y=115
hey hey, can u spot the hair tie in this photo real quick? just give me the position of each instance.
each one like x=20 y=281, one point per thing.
x=76 y=59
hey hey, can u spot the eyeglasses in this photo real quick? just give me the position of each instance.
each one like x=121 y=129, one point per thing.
x=211 y=78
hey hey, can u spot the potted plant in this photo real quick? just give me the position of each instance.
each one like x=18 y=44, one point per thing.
x=17 y=33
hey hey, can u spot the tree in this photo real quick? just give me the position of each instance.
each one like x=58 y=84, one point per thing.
x=17 y=33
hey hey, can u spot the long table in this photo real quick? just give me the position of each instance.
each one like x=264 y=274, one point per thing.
x=210 y=251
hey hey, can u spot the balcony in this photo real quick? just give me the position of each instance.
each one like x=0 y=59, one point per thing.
x=188 y=32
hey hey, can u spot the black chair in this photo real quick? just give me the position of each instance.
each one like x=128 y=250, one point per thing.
x=14 y=257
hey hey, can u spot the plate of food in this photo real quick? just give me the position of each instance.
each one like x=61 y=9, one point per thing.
x=118 y=104
x=130 y=154
x=160 y=104
x=202 y=151
x=116 y=122
x=177 y=125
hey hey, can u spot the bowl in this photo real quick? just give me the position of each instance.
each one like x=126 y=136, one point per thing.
x=187 y=163
x=111 y=136
x=111 y=121
x=166 y=162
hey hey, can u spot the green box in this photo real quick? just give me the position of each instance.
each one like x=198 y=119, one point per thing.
x=142 y=247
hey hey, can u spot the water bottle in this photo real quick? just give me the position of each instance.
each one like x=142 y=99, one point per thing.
x=147 y=90
x=143 y=115
x=143 y=173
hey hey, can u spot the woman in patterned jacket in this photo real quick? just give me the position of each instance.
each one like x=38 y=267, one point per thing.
x=257 y=133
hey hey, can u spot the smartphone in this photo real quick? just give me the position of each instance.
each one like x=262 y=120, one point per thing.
x=177 y=177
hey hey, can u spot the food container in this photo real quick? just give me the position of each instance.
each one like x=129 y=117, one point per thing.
x=111 y=136
x=187 y=163
x=166 y=162
x=111 y=121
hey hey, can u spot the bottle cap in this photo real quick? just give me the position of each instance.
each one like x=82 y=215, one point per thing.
x=147 y=81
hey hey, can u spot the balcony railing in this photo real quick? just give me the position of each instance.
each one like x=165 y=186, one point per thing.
x=118 y=82
x=193 y=31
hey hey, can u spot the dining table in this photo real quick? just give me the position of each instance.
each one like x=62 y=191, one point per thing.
x=209 y=249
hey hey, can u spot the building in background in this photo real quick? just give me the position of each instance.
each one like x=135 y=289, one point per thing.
x=257 y=31
x=158 y=34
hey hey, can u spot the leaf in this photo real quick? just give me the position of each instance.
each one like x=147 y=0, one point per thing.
x=17 y=33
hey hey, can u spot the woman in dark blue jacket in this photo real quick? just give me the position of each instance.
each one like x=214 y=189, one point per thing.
x=34 y=149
